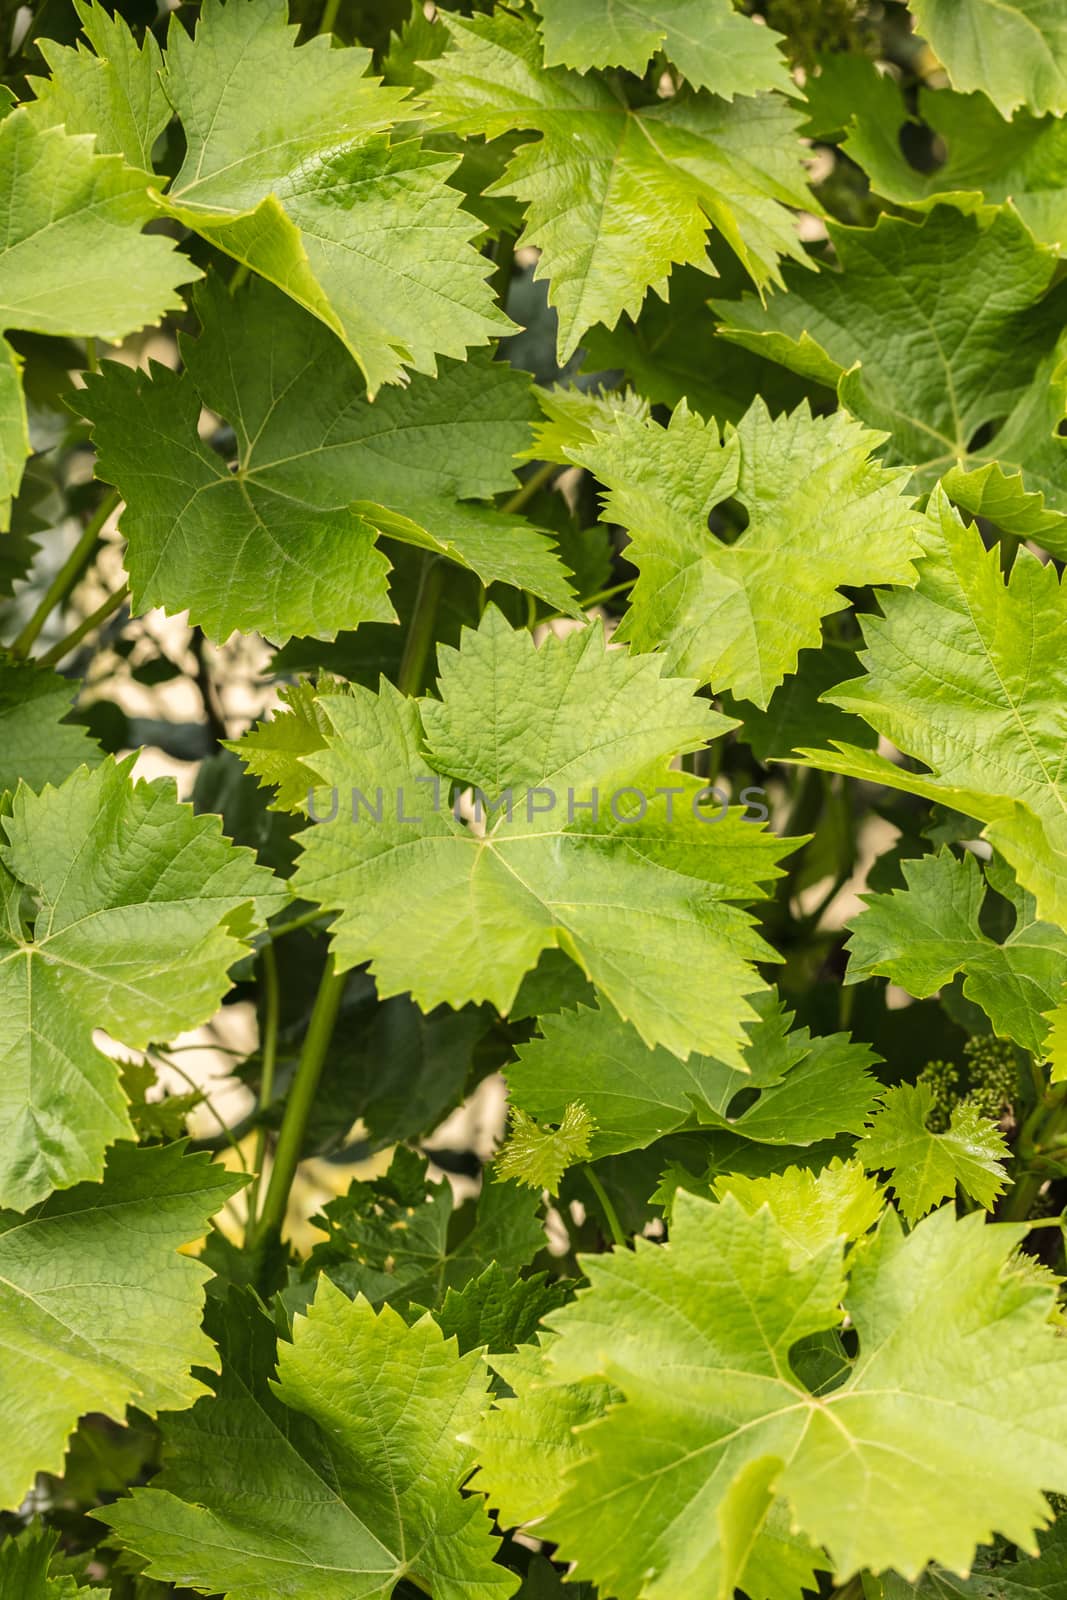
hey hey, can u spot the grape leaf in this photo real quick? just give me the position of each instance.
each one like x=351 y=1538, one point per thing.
x=1024 y=160
x=994 y=367
x=809 y=1089
x=696 y=1337
x=339 y=1478
x=925 y=1167
x=796 y=713
x=538 y=1157
x=288 y=182
x=112 y=91
x=965 y=673
x=821 y=513
x=37 y=744
x=24 y=1563
x=922 y=935
x=400 y=1239
x=73 y=259
x=1014 y=50
x=293 y=527
x=121 y=910
x=98 y=1309
x=498 y=1311
x=569 y=744
x=615 y=195
x=812 y=1209
x=707 y=40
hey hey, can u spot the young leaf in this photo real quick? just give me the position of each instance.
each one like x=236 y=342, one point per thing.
x=925 y=1167
x=820 y=513
x=498 y=1311
x=812 y=1209
x=569 y=744
x=121 y=910
x=696 y=1335
x=809 y=1089
x=966 y=673
x=339 y=1478
x=921 y=936
x=1014 y=50
x=994 y=367
x=98 y=1310
x=286 y=181
x=707 y=40
x=24 y=1564
x=616 y=195
x=285 y=543
x=538 y=1157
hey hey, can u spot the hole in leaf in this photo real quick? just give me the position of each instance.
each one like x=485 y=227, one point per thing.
x=728 y=520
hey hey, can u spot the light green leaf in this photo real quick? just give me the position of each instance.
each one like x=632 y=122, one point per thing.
x=119 y=909
x=994 y=368
x=1014 y=50
x=812 y=1209
x=1024 y=160
x=922 y=935
x=14 y=430
x=820 y=512
x=112 y=91
x=338 y=1479
x=288 y=181
x=695 y=1339
x=37 y=744
x=925 y=1167
x=966 y=673
x=538 y=1157
x=615 y=196
x=707 y=40
x=809 y=1089
x=1056 y=1041
x=98 y=1310
x=72 y=257
x=591 y=859
x=285 y=542
x=498 y=1309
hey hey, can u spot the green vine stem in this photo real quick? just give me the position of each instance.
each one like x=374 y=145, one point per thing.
x=87 y=625
x=67 y=576
x=419 y=639
x=537 y=480
x=1038 y=1134
x=298 y=1105
x=611 y=1216
x=268 y=966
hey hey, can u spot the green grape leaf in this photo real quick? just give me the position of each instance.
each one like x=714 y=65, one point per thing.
x=1056 y=1040
x=339 y=1478
x=808 y=1089
x=14 y=436
x=811 y=1208
x=707 y=40
x=696 y=1339
x=98 y=1310
x=1014 y=50
x=580 y=845
x=616 y=196
x=1024 y=160
x=37 y=744
x=288 y=181
x=400 y=1239
x=538 y=1157
x=497 y=1310
x=796 y=714
x=994 y=368
x=294 y=525
x=925 y=1167
x=24 y=1564
x=112 y=91
x=923 y=935
x=820 y=512
x=966 y=674
x=119 y=909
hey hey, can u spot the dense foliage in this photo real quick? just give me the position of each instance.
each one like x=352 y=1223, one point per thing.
x=575 y=491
